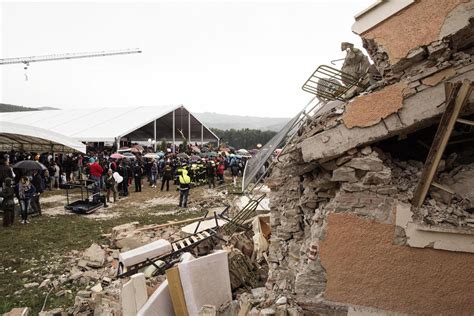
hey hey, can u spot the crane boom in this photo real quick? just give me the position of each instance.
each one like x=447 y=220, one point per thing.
x=31 y=59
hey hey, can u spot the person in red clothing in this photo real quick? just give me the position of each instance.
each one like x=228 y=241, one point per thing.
x=220 y=172
x=95 y=172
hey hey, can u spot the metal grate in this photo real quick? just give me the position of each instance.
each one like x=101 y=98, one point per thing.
x=329 y=83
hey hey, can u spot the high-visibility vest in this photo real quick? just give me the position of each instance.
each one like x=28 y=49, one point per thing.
x=184 y=178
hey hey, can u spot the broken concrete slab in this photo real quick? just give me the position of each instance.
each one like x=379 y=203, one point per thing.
x=418 y=111
x=134 y=295
x=159 y=303
x=419 y=238
x=204 y=225
x=205 y=280
x=154 y=249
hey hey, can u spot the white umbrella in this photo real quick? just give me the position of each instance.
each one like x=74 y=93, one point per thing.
x=151 y=155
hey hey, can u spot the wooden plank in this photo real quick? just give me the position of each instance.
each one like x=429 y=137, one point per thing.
x=176 y=291
x=454 y=103
x=442 y=187
x=463 y=121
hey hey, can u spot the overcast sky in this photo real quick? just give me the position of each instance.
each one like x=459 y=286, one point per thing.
x=232 y=57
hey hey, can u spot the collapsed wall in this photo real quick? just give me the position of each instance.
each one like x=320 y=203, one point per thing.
x=345 y=237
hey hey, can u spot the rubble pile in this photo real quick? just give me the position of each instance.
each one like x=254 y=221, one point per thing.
x=365 y=182
x=335 y=164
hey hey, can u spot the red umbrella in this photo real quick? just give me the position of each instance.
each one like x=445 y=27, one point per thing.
x=117 y=156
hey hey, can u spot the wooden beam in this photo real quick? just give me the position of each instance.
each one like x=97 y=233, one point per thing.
x=176 y=291
x=463 y=121
x=442 y=187
x=455 y=101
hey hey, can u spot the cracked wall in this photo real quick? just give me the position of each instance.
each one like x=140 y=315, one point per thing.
x=419 y=24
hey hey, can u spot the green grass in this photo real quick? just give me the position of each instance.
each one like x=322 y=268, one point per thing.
x=41 y=245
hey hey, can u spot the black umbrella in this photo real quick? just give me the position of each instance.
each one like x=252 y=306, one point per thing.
x=29 y=165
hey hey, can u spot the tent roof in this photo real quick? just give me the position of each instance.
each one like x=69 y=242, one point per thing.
x=23 y=137
x=95 y=125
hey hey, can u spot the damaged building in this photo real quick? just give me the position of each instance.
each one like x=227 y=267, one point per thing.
x=372 y=202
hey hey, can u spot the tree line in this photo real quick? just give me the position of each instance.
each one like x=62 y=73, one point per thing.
x=243 y=138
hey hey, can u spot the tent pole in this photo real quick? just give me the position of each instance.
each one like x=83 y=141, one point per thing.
x=189 y=127
x=174 y=135
x=202 y=134
x=154 y=135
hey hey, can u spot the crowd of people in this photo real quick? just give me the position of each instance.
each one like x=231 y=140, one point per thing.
x=112 y=175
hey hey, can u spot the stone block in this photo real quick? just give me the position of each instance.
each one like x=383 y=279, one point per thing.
x=95 y=256
x=366 y=163
x=344 y=174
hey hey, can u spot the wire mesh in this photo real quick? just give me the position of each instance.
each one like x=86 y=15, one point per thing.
x=329 y=84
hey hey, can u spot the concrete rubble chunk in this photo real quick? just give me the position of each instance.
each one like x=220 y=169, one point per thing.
x=30 y=285
x=377 y=178
x=207 y=310
x=267 y=312
x=258 y=292
x=84 y=294
x=54 y=312
x=45 y=283
x=97 y=288
x=19 y=311
x=95 y=256
x=344 y=174
x=366 y=163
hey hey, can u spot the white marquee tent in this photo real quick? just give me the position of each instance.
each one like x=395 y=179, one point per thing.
x=112 y=124
x=15 y=136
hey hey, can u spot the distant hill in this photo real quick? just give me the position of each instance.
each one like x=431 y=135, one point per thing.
x=213 y=120
x=225 y=121
x=15 y=108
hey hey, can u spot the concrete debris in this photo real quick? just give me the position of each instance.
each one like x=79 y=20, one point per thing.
x=30 y=285
x=207 y=310
x=19 y=311
x=94 y=256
